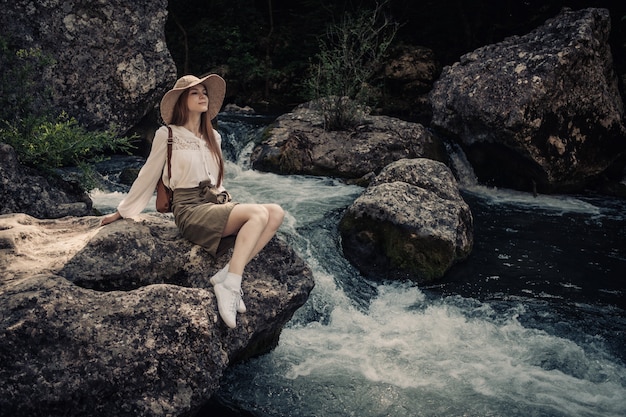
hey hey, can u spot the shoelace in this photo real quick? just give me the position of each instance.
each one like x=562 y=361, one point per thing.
x=235 y=300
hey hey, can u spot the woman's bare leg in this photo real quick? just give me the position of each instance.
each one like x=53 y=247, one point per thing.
x=247 y=221
x=254 y=225
x=276 y=216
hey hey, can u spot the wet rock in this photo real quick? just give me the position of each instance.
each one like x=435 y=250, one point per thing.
x=24 y=190
x=408 y=77
x=296 y=143
x=410 y=223
x=111 y=62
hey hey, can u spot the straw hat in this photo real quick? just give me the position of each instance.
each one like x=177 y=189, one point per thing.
x=215 y=87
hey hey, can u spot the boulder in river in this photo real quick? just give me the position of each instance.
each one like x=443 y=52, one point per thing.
x=110 y=61
x=296 y=143
x=410 y=223
x=539 y=112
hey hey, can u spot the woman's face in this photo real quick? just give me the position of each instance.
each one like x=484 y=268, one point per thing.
x=198 y=100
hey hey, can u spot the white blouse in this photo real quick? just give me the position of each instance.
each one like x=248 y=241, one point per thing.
x=192 y=162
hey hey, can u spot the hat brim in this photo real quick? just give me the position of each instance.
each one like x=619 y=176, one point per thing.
x=216 y=89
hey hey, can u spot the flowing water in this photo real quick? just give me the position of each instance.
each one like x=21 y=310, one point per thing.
x=532 y=324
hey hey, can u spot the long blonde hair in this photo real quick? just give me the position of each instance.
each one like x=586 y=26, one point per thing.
x=180 y=114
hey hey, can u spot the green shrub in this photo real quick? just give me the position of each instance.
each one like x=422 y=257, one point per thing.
x=350 y=53
x=46 y=144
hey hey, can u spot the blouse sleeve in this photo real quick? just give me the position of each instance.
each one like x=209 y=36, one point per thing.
x=143 y=188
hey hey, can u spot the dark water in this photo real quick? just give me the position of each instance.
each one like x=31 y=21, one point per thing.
x=563 y=256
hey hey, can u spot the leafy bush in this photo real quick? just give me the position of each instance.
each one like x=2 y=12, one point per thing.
x=46 y=144
x=350 y=53
x=62 y=142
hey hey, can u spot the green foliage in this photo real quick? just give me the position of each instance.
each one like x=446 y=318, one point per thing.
x=46 y=144
x=261 y=48
x=244 y=65
x=223 y=36
x=350 y=53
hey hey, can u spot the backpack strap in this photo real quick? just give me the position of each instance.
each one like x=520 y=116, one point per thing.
x=170 y=141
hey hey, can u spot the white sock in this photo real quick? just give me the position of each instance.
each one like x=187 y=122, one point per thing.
x=222 y=273
x=232 y=281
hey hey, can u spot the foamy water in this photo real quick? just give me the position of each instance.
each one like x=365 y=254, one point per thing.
x=411 y=355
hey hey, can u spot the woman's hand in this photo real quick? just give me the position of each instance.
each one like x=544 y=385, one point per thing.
x=110 y=218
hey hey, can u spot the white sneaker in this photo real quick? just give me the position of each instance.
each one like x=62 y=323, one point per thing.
x=241 y=307
x=218 y=278
x=227 y=303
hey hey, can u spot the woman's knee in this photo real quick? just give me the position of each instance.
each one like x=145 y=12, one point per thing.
x=260 y=213
x=243 y=214
x=276 y=213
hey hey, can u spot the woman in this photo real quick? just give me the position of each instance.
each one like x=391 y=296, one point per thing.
x=188 y=109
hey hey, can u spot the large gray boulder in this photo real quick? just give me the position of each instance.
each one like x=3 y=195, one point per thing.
x=25 y=190
x=296 y=143
x=111 y=62
x=410 y=223
x=539 y=111
x=121 y=320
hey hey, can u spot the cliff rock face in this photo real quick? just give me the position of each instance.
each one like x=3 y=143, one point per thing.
x=111 y=60
x=539 y=110
x=410 y=223
x=121 y=320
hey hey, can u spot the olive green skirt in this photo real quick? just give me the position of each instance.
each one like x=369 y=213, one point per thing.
x=200 y=222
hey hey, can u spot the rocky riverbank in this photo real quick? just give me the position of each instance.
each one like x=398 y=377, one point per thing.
x=122 y=321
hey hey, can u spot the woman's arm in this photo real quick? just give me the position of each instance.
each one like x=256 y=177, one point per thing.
x=143 y=187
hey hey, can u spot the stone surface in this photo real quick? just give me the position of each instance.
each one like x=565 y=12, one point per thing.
x=111 y=65
x=408 y=77
x=121 y=320
x=410 y=223
x=296 y=143
x=540 y=111
x=24 y=190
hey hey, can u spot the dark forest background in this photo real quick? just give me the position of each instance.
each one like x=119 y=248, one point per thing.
x=263 y=47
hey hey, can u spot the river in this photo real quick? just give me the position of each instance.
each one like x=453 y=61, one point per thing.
x=532 y=324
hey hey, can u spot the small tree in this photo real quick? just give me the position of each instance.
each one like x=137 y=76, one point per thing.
x=350 y=53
